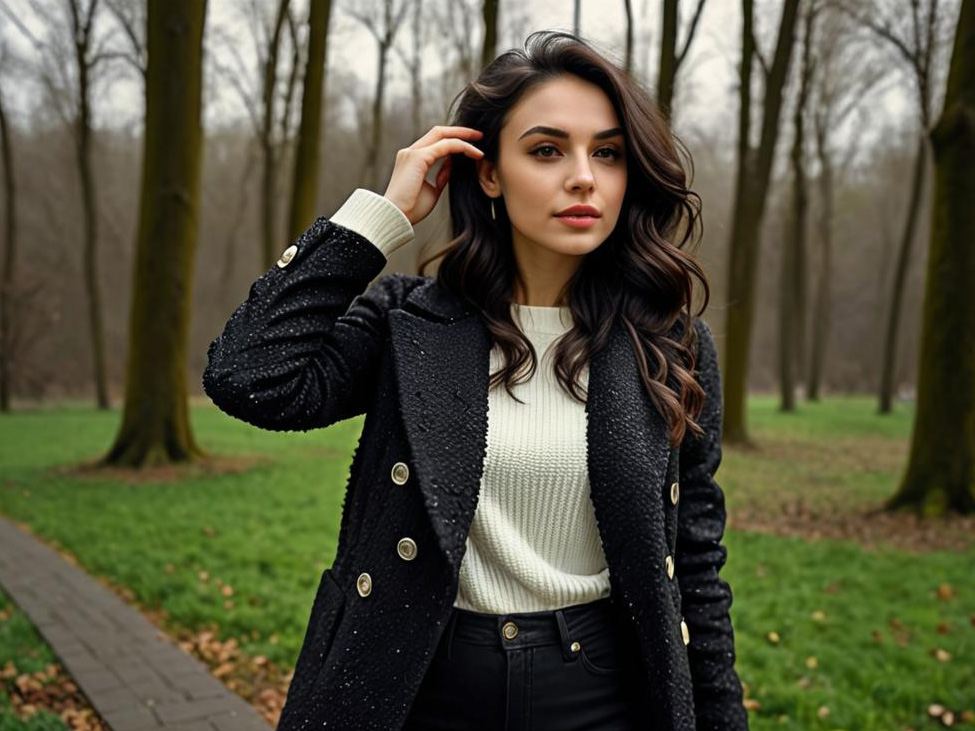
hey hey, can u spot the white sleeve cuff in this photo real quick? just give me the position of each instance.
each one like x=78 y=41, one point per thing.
x=375 y=218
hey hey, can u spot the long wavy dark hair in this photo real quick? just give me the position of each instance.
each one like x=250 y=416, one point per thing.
x=640 y=275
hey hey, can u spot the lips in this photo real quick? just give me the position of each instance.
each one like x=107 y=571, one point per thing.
x=579 y=211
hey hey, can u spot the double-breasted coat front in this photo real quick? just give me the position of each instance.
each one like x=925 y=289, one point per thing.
x=318 y=341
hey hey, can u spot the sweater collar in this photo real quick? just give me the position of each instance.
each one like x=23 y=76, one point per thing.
x=536 y=319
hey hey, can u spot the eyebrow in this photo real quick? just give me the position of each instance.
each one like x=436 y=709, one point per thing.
x=556 y=132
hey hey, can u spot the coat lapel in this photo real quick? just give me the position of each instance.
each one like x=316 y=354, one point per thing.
x=441 y=351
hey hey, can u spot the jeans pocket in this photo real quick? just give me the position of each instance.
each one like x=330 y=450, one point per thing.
x=601 y=656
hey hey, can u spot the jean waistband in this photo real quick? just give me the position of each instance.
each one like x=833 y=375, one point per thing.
x=518 y=630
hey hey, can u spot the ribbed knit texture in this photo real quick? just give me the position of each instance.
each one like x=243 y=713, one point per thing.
x=534 y=544
x=376 y=218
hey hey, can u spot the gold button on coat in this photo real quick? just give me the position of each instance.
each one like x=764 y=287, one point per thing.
x=400 y=473
x=364 y=584
x=670 y=566
x=287 y=255
x=674 y=492
x=509 y=630
x=406 y=548
x=684 y=632
x=575 y=647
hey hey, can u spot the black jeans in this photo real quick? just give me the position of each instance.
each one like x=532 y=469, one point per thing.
x=562 y=670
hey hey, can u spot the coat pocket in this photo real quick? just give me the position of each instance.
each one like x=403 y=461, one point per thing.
x=326 y=612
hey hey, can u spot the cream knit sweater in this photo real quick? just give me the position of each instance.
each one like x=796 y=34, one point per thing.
x=534 y=544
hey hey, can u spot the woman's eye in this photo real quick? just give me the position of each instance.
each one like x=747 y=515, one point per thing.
x=613 y=154
x=537 y=150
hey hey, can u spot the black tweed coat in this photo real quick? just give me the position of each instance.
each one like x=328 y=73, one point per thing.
x=318 y=341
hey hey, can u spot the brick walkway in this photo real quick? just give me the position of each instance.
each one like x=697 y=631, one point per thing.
x=136 y=678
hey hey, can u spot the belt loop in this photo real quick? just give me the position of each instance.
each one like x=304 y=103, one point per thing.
x=451 y=624
x=567 y=653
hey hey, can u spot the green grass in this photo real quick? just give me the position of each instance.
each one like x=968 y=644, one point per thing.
x=836 y=452
x=268 y=532
x=23 y=648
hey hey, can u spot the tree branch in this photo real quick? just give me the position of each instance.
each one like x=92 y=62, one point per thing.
x=690 y=33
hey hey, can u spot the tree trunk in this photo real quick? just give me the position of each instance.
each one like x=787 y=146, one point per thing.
x=751 y=189
x=370 y=173
x=305 y=190
x=96 y=325
x=155 y=427
x=821 y=306
x=490 y=48
x=889 y=365
x=628 y=51
x=940 y=475
x=667 y=70
x=9 y=261
x=270 y=245
x=416 y=66
x=792 y=294
x=671 y=57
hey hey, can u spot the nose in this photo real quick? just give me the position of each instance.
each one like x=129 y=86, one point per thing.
x=581 y=177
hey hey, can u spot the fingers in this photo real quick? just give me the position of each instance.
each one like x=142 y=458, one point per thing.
x=440 y=131
x=451 y=145
x=408 y=186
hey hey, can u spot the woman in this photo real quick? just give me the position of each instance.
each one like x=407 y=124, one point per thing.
x=509 y=558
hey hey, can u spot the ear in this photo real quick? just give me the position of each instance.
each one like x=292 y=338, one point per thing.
x=487 y=176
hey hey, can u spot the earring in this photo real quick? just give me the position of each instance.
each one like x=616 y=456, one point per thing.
x=493 y=216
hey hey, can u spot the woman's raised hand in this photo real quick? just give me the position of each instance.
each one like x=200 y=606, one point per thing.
x=408 y=187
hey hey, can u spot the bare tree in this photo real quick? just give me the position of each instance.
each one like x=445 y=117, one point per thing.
x=670 y=57
x=131 y=18
x=489 y=49
x=285 y=121
x=751 y=191
x=837 y=94
x=940 y=474
x=267 y=102
x=270 y=244
x=384 y=33
x=155 y=428
x=628 y=37
x=24 y=308
x=8 y=276
x=419 y=28
x=305 y=187
x=454 y=23
x=71 y=62
x=792 y=280
x=913 y=33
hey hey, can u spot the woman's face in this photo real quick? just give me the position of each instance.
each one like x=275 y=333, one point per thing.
x=561 y=146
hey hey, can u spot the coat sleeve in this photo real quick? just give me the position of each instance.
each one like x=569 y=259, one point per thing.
x=303 y=350
x=705 y=597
